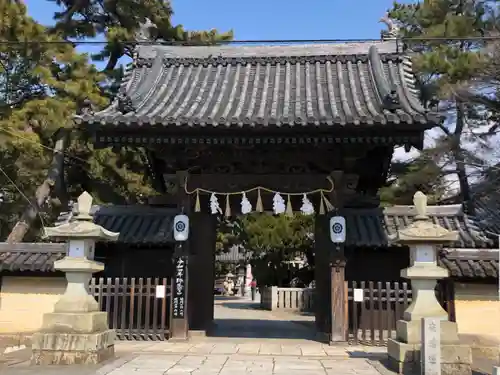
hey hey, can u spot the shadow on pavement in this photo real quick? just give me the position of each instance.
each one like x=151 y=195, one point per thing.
x=241 y=305
x=261 y=329
x=227 y=298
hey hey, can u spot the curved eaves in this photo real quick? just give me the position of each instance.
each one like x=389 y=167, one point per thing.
x=381 y=83
x=411 y=92
x=410 y=114
x=388 y=103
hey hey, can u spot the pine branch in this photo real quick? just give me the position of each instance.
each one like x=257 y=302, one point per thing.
x=44 y=191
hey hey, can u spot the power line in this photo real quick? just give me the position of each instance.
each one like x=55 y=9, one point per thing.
x=24 y=197
x=264 y=41
x=42 y=145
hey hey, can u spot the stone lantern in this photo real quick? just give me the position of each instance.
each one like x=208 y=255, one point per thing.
x=76 y=332
x=423 y=237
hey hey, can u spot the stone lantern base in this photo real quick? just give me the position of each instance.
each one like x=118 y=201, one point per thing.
x=76 y=332
x=51 y=348
x=404 y=351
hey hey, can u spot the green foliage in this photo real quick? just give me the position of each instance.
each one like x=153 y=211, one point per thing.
x=119 y=21
x=42 y=86
x=278 y=233
x=421 y=174
x=272 y=240
x=443 y=69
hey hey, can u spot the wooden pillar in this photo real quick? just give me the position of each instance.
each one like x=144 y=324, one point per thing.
x=339 y=317
x=322 y=246
x=201 y=269
x=338 y=314
x=180 y=326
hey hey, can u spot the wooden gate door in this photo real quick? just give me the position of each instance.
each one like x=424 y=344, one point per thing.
x=138 y=308
x=373 y=320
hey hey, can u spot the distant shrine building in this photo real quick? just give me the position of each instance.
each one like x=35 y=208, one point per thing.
x=287 y=117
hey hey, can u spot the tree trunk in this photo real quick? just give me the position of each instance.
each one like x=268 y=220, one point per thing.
x=54 y=181
x=459 y=159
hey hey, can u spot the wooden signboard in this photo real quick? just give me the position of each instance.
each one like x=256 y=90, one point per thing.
x=179 y=292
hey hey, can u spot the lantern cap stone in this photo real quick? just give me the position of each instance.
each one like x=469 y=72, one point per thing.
x=423 y=230
x=82 y=226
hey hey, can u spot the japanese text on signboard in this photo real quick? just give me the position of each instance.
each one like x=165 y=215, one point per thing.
x=179 y=288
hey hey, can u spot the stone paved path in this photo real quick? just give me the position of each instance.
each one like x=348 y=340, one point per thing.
x=245 y=341
x=275 y=348
x=233 y=365
x=241 y=318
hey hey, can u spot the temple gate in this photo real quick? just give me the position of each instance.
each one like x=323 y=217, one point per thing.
x=287 y=117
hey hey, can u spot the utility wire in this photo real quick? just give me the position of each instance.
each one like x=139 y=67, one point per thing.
x=469 y=164
x=24 y=197
x=265 y=41
x=41 y=145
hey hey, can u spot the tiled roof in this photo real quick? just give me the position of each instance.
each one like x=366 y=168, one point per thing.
x=372 y=227
x=471 y=263
x=136 y=224
x=30 y=256
x=488 y=212
x=41 y=257
x=267 y=86
x=365 y=227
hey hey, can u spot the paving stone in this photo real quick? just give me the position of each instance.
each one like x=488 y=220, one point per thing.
x=224 y=349
x=248 y=348
x=298 y=367
x=313 y=351
x=201 y=348
x=291 y=350
x=270 y=349
x=176 y=347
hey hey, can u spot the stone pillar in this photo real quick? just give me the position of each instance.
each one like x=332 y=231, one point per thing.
x=423 y=237
x=248 y=280
x=76 y=332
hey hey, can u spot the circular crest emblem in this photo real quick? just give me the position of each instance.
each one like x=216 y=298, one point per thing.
x=180 y=226
x=337 y=228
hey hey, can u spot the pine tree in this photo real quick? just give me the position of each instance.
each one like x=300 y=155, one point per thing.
x=408 y=177
x=119 y=21
x=444 y=67
x=41 y=83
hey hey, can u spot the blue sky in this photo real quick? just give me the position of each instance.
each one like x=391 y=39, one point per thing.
x=269 y=19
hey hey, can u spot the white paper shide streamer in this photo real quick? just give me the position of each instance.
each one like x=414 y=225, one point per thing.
x=307 y=207
x=246 y=206
x=214 y=205
x=279 y=206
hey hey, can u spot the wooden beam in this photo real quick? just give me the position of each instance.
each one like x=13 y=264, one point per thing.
x=292 y=182
x=286 y=183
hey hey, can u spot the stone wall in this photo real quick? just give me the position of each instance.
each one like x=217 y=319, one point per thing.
x=24 y=300
x=478 y=311
x=290 y=299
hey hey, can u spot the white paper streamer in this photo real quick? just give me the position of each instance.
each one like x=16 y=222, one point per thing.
x=279 y=206
x=307 y=207
x=214 y=205
x=246 y=206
